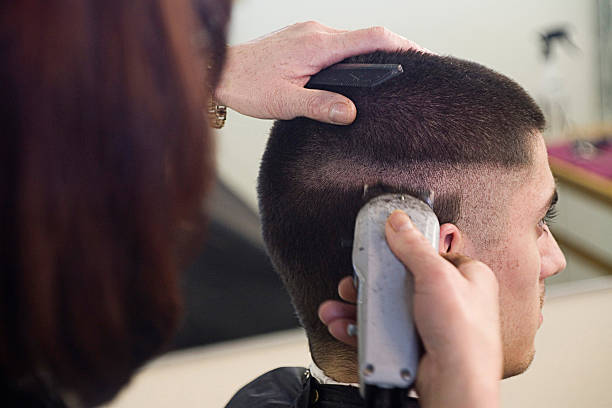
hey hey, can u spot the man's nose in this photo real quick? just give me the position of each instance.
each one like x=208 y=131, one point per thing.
x=553 y=260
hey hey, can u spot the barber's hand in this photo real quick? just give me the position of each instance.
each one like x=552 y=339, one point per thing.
x=337 y=316
x=265 y=78
x=456 y=311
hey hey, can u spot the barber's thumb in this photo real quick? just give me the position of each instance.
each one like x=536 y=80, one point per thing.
x=327 y=107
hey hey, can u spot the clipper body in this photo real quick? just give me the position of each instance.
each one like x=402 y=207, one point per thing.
x=389 y=346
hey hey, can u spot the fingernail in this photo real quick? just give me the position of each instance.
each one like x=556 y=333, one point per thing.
x=339 y=113
x=399 y=221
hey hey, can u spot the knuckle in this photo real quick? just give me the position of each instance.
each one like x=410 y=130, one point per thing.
x=437 y=274
x=313 y=106
x=468 y=265
x=413 y=238
x=312 y=23
x=380 y=32
x=316 y=38
x=482 y=268
x=494 y=284
x=458 y=260
x=309 y=25
x=484 y=274
x=275 y=105
x=420 y=238
x=296 y=26
x=416 y=244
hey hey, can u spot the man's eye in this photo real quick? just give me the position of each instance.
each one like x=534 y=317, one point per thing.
x=550 y=216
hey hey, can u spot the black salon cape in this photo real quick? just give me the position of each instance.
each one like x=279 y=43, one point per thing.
x=294 y=387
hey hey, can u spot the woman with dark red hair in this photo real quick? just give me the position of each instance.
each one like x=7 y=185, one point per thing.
x=106 y=159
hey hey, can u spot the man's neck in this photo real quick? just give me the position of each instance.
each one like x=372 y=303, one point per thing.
x=342 y=377
x=340 y=367
x=324 y=379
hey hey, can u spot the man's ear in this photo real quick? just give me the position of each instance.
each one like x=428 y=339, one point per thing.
x=451 y=239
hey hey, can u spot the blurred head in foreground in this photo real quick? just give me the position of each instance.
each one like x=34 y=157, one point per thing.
x=104 y=165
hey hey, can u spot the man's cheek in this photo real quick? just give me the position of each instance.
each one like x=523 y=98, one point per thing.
x=511 y=279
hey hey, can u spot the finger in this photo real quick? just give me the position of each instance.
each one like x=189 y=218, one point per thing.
x=480 y=274
x=339 y=329
x=471 y=269
x=347 y=44
x=323 y=106
x=332 y=310
x=413 y=249
x=456 y=258
x=315 y=26
x=347 y=290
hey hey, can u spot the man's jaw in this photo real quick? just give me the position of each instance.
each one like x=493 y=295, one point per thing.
x=542 y=296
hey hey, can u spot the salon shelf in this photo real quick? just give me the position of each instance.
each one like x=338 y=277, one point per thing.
x=597 y=186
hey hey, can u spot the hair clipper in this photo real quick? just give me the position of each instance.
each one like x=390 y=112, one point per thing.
x=389 y=345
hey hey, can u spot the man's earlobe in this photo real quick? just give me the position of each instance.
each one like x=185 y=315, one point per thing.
x=451 y=238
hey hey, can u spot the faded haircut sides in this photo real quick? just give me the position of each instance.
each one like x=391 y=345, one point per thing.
x=441 y=118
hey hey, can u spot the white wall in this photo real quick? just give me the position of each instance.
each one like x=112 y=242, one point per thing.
x=501 y=35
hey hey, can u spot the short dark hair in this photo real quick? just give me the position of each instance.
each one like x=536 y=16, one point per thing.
x=106 y=155
x=440 y=116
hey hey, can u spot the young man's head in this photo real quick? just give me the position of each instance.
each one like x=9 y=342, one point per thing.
x=464 y=131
